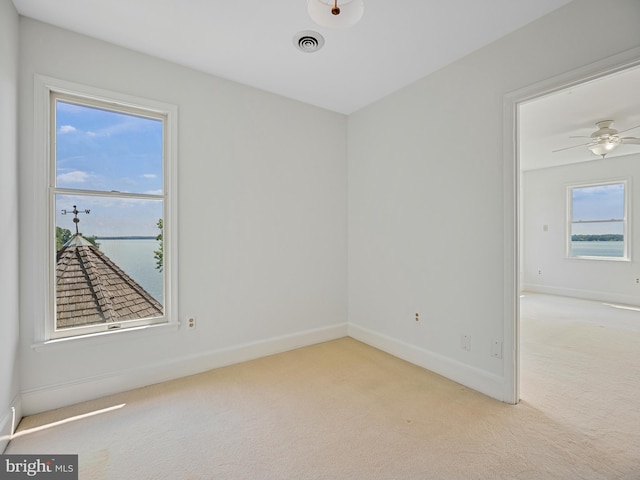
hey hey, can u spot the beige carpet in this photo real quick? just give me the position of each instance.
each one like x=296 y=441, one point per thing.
x=343 y=410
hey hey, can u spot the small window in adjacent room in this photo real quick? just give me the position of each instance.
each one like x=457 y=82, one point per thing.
x=110 y=222
x=598 y=226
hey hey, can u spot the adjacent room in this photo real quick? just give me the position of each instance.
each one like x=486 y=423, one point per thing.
x=579 y=310
x=320 y=238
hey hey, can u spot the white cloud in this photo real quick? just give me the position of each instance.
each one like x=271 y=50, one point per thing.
x=66 y=129
x=149 y=175
x=73 y=177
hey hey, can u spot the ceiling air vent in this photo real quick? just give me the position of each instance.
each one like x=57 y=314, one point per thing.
x=308 y=41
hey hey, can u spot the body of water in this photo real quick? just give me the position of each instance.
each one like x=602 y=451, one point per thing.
x=135 y=257
x=597 y=249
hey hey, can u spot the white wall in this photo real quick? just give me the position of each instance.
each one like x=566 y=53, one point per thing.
x=426 y=186
x=544 y=203
x=9 y=377
x=262 y=223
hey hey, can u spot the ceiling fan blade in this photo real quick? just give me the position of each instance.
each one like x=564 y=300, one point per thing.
x=627 y=129
x=568 y=148
x=630 y=140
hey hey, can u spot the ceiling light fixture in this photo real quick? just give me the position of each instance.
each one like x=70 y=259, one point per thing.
x=604 y=146
x=335 y=13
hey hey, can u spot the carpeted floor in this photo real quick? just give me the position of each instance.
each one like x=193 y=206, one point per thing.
x=343 y=410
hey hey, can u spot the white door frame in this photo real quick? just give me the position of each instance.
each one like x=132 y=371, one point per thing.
x=511 y=197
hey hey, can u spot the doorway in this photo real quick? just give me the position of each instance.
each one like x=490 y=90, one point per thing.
x=516 y=149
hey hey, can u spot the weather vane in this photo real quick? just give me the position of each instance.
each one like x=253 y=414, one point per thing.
x=75 y=212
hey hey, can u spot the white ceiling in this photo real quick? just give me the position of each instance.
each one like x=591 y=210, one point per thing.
x=547 y=123
x=396 y=43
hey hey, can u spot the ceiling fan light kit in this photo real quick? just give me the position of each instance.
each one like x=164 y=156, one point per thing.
x=604 y=146
x=606 y=139
x=335 y=13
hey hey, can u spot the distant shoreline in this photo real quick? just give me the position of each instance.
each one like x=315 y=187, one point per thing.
x=127 y=238
x=608 y=237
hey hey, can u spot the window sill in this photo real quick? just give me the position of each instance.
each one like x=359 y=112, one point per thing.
x=600 y=259
x=105 y=337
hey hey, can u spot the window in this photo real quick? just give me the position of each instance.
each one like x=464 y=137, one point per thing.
x=598 y=221
x=111 y=190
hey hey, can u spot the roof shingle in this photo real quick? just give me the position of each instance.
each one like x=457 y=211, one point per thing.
x=91 y=289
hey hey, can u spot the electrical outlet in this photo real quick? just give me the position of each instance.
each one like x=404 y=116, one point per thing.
x=637 y=280
x=417 y=318
x=191 y=323
x=465 y=342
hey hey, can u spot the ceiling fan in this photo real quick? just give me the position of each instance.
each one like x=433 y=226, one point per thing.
x=605 y=139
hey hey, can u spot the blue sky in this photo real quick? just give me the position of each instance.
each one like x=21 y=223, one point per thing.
x=108 y=151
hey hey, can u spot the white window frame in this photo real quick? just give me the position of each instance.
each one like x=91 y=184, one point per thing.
x=46 y=90
x=626 y=257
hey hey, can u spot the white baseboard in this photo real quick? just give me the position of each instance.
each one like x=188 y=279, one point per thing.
x=474 y=378
x=583 y=294
x=62 y=394
x=9 y=422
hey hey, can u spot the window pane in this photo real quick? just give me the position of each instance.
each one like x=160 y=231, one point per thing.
x=109 y=151
x=597 y=239
x=599 y=202
x=119 y=278
x=597 y=221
